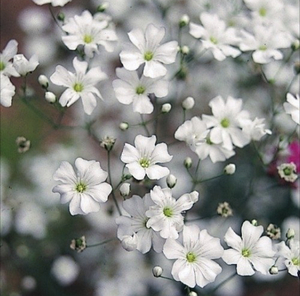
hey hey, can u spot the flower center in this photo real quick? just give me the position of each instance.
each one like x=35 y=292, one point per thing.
x=263 y=47
x=191 y=257
x=87 y=39
x=140 y=90
x=246 y=253
x=262 y=11
x=144 y=162
x=168 y=212
x=288 y=171
x=296 y=261
x=225 y=122
x=78 y=87
x=2 y=66
x=148 y=56
x=213 y=40
x=80 y=187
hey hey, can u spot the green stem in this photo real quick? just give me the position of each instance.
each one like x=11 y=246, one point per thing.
x=54 y=18
x=223 y=283
x=102 y=243
x=144 y=124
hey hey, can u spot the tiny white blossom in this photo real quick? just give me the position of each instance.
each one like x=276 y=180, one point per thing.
x=7 y=91
x=288 y=171
x=85 y=189
x=24 y=66
x=250 y=252
x=292 y=107
x=52 y=2
x=142 y=159
x=79 y=85
x=256 y=129
x=6 y=66
x=194 y=264
x=146 y=49
x=166 y=215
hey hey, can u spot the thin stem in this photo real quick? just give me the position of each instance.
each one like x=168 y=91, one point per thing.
x=144 y=124
x=223 y=283
x=54 y=18
x=102 y=243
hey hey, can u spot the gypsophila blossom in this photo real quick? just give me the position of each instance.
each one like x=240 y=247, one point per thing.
x=224 y=209
x=273 y=231
x=132 y=89
x=6 y=66
x=24 y=66
x=89 y=32
x=146 y=49
x=256 y=129
x=194 y=256
x=215 y=36
x=80 y=84
x=52 y=2
x=165 y=215
x=292 y=106
x=249 y=252
x=142 y=159
x=288 y=172
x=136 y=222
x=84 y=188
x=7 y=91
x=23 y=144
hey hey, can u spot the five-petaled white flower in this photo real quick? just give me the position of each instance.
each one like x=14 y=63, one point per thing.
x=24 y=66
x=292 y=107
x=6 y=66
x=132 y=89
x=85 y=189
x=7 y=91
x=146 y=49
x=250 y=252
x=194 y=264
x=142 y=159
x=52 y=2
x=166 y=215
x=136 y=223
x=89 y=32
x=79 y=85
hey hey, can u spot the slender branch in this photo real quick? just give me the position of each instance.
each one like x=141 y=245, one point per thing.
x=223 y=283
x=101 y=243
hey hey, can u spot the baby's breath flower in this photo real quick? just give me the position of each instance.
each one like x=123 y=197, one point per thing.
x=50 y=97
x=124 y=126
x=165 y=108
x=108 y=143
x=193 y=293
x=130 y=242
x=273 y=231
x=125 y=189
x=185 y=49
x=224 y=209
x=78 y=244
x=157 y=271
x=188 y=103
x=23 y=144
x=43 y=81
x=273 y=270
x=188 y=162
x=288 y=172
x=230 y=169
x=184 y=20
x=290 y=234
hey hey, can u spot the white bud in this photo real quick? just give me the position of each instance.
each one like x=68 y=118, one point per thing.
x=125 y=189
x=157 y=271
x=254 y=222
x=129 y=242
x=290 y=233
x=124 y=126
x=50 y=97
x=273 y=270
x=43 y=81
x=188 y=103
x=229 y=169
x=188 y=162
x=165 y=108
x=171 y=181
x=185 y=49
x=193 y=293
x=184 y=20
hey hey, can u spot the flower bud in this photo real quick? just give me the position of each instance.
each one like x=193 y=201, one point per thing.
x=188 y=103
x=102 y=7
x=61 y=17
x=296 y=45
x=43 y=81
x=188 y=162
x=23 y=144
x=165 y=108
x=78 y=244
x=254 y=222
x=129 y=242
x=273 y=270
x=125 y=189
x=185 y=49
x=290 y=233
x=193 y=293
x=157 y=271
x=124 y=126
x=108 y=143
x=184 y=20
x=171 y=181
x=229 y=169
x=50 y=97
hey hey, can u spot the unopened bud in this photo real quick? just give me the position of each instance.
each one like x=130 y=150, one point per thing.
x=184 y=20
x=157 y=271
x=102 y=7
x=254 y=222
x=129 y=242
x=78 y=244
x=296 y=45
x=188 y=103
x=273 y=270
x=61 y=17
x=125 y=189
x=165 y=108
x=188 y=162
x=108 y=143
x=290 y=233
x=171 y=181
x=43 y=81
x=229 y=169
x=193 y=293
x=185 y=49
x=124 y=126
x=50 y=97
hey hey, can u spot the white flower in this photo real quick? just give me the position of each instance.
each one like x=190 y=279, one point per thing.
x=129 y=242
x=251 y=252
x=146 y=49
x=136 y=222
x=79 y=85
x=23 y=66
x=291 y=255
x=166 y=215
x=85 y=30
x=256 y=129
x=85 y=189
x=141 y=160
x=6 y=67
x=265 y=43
x=288 y=171
x=194 y=264
x=7 y=91
x=52 y=2
x=292 y=107
x=132 y=89
x=226 y=122
x=215 y=36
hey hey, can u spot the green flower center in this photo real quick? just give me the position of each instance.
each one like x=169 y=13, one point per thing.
x=213 y=40
x=168 y=212
x=296 y=261
x=288 y=171
x=263 y=47
x=144 y=162
x=78 y=87
x=87 y=39
x=225 y=122
x=140 y=90
x=2 y=66
x=262 y=11
x=80 y=187
x=191 y=257
x=246 y=253
x=148 y=56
